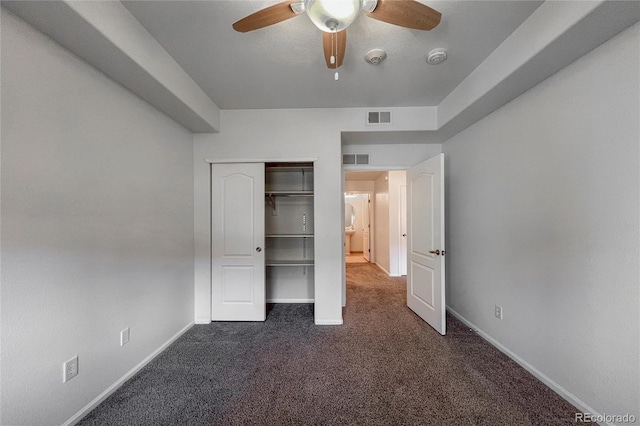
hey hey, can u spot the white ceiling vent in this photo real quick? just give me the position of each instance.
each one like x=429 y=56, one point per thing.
x=350 y=159
x=378 y=117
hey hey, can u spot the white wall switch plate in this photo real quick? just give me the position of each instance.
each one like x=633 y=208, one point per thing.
x=124 y=336
x=498 y=312
x=70 y=369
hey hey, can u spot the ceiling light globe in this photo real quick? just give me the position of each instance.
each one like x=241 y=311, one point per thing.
x=332 y=15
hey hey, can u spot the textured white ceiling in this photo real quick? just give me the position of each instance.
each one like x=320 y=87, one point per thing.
x=282 y=66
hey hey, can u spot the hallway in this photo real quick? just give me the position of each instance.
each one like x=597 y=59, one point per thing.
x=355 y=257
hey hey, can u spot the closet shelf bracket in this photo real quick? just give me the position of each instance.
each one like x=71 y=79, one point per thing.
x=271 y=201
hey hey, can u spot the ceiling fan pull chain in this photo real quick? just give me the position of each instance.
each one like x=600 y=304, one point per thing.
x=333 y=57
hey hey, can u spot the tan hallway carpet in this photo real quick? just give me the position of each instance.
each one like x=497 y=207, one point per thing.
x=355 y=257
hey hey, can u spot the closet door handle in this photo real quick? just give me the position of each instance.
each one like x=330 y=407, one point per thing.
x=258 y=249
x=436 y=252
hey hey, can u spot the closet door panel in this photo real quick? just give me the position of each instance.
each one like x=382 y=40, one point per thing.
x=237 y=242
x=238 y=215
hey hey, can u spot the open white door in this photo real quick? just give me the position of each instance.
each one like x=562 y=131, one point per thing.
x=237 y=233
x=425 y=241
x=402 y=261
x=366 y=227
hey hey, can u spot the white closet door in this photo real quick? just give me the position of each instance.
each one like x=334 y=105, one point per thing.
x=237 y=233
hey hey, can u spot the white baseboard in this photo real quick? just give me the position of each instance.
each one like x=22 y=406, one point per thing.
x=384 y=270
x=203 y=321
x=568 y=396
x=290 y=300
x=329 y=322
x=111 y=389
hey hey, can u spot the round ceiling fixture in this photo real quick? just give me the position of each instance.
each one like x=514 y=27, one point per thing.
x=436 y=56
x=375 y=56
x=331 y=15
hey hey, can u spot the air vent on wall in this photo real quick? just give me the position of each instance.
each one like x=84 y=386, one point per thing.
x=379 y=117
x=362 y=158
x=348 y=159
x=355 y=159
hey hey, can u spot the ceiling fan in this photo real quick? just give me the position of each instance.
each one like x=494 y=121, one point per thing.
x=334 y=16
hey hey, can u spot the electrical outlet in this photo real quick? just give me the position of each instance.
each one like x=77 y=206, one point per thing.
x=498 y=312
x=124 y=336
x=70 y=369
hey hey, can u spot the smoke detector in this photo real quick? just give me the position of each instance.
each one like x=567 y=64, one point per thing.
x=375 y=56
x=436 y=56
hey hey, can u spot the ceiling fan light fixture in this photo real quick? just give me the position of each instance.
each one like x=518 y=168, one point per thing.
x=297 y=7
x=332 y=15
x=369 y=5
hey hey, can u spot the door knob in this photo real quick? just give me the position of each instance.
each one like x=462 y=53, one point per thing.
x=258 y=249
x=404 y=235
x=436 y=252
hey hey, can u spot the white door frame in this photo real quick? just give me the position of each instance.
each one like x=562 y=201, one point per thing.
x=372 y=213
x=211 y=162
x=383 y=168
x=371 y=225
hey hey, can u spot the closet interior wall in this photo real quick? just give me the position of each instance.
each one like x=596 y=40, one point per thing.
x=289 y=232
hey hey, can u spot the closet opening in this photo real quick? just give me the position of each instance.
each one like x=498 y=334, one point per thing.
x=262 y=238
x=289 y=232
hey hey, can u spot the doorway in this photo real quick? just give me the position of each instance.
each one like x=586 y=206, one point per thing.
x=357 y=227
x=375 y=199
x=418 y=224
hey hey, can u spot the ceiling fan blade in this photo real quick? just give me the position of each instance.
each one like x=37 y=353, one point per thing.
x=406 y=13
x=336 y=44
x=265 y=17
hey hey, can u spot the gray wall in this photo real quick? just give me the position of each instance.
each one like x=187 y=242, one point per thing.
x=543 y=219
x=392 y=156
x=259 y=135
x=97 y=228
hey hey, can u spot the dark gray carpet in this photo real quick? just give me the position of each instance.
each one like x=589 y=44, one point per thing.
x=385 y=366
